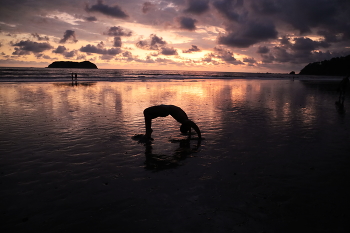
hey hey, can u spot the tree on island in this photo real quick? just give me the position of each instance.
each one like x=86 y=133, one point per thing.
x=71 y=64
x=338 y=66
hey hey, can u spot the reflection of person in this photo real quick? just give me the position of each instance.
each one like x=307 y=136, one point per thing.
x=177 y=113
x=162 y=161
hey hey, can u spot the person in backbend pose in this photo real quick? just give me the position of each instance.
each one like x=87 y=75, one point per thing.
x=177 y=113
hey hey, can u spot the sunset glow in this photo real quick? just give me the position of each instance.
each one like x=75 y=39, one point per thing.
x=220 y=35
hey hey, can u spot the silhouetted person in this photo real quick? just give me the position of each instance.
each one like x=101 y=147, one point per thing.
x=76 y=77
x=343 y=85
x=177 y=113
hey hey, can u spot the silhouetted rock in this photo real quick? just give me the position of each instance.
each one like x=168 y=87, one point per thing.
x=71 y=64
x=292 y=72
x=335 y=66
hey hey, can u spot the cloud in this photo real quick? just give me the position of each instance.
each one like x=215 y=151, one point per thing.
x=295 y=50
x=40 y=55
x=226 y=55
x=187 y=23
x=60 y=49
x=249 y=60
x=90 y=18
x=63 y=50
x=248 y=34
x=147 y=7
x=27 y=47
x=113 y=11
x=306 y=44
x=263 y=49
x=154 y=43
x=168 y=51
x=197 y=6
x=118 y=31
x=68 y=35
x=117 y=42
x=194 y=48
x=265 y=7
x=100 y=50
x=70 y=54
x=227 y=8
x=40 y=38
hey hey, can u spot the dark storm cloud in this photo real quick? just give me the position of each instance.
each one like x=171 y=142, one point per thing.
x=68 y=35
x=187 y=23
x=330 y=17
x=154 y=43
x=194 y=48
x=117 y=42
x=265 y=7
x=303 y=15
x=282 y=55
x=26 y=47
x=118 y=31
x=306 y=44
x=296 y=50
x=100 y=50
x=248 y=34
x=285 y=41
x=197 y=6
x=113 y=11
x=40 y=38
x=267 y=58
x=228 y=8
x=168 y=51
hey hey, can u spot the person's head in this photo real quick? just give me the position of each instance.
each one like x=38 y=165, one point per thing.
x=185 y=127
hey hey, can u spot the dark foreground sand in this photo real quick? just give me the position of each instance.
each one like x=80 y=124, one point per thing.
x=275 y=158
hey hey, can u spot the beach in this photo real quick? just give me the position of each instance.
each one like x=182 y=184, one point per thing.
x=274 y=158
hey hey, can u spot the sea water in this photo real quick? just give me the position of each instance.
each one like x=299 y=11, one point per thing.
x=68 y=160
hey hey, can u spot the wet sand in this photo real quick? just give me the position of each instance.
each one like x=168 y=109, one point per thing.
x=275 y=158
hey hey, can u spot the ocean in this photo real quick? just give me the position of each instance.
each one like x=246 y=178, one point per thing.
x=115 y=75
x=274 y=155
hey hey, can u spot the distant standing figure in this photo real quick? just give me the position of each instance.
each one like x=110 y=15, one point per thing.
x=76 y=76
x=176 y=112
x=343 y=85
x=72 y=76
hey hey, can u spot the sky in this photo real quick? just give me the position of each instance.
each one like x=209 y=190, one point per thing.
x=276 y=36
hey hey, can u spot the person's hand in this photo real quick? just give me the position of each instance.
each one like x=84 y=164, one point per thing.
x=141 y=138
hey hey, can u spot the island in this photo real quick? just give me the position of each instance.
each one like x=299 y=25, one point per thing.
x=338 y=66
x=71 y=64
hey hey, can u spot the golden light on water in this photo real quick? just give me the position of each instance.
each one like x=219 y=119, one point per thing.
x=125 y=101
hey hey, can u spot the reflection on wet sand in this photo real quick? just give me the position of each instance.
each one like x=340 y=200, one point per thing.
x=276 y=151
x=84 y=84
x=159 y=162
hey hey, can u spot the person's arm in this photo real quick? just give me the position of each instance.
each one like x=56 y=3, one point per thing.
x=148 y=122
x=195 y=127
